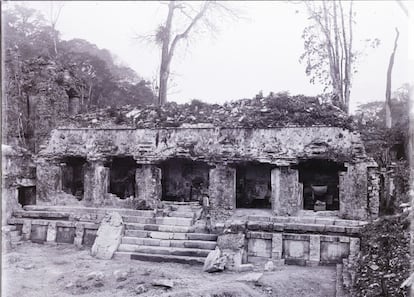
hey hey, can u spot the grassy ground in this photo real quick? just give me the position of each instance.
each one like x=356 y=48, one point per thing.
x=63 y=270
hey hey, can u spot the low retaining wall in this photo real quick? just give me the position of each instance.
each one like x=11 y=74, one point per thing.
x=297 y=243
x=37 y=230
x=299 y=249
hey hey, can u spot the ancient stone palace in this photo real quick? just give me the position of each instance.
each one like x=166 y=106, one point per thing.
x=291 y=194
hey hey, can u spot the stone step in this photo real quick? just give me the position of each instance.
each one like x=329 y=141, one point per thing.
x=35 y=214
x=80 y=209
x=182 y=214
x=159 y=250
x=176 y=221
x=170 y=235
x=162 y=228
x=139 y=220
x=197 y=244
x=159 y=258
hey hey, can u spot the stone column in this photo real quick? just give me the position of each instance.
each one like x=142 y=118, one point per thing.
x=353 y=186
x=222 y=191
x=314 y=250
x=96 y=182
x=148 y=185
x=286 y=196
x=373 y=192
x=48 y=180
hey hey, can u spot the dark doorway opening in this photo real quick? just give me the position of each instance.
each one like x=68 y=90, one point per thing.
x=320 y=179
x=26 y=195
x=73 y=173
x=184 y=180
x=253 y=186
x=122 y=177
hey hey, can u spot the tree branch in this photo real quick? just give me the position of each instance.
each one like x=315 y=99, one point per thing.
x=185 y=33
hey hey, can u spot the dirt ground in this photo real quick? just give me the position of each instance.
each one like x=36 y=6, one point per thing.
x=63 y=270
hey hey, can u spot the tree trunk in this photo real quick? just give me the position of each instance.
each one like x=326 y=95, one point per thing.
x=164 y=75
x=388 y=117
x=165 y=55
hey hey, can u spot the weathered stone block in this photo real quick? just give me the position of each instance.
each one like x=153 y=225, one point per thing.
x=38 y=233
x=231 y=241
x=89 y=236
x=51 y=232
x=79 y=231
x=26 y=229
x=314 y=248
x=296 y=249
x=333 y=252
x=65 y=234
x=259 y=247
x=109 y=236
x=215 y=261
x=277 y=246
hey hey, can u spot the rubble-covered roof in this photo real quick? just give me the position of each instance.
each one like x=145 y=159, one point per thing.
x=272 y=111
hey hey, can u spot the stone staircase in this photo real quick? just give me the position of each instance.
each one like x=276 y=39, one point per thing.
x=172 y=237
x=171 y=234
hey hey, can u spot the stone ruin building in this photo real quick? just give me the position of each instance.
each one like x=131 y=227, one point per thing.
x=293 y=195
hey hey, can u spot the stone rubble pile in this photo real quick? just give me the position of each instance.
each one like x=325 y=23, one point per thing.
x=272 y=111
x=384 y=262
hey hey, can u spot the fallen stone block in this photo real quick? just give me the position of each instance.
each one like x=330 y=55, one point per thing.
x=245 y=267
x=162 y=282
x=214 y=262
x=269 y=266
x=108 y=237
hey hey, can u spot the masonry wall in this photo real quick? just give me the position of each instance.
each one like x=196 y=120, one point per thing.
x=220 y=149
x=18 y=171
x=273 y=146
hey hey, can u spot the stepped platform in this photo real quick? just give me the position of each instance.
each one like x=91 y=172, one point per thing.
x=166 y=235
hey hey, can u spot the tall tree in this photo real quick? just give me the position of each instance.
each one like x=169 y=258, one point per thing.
x=181 y=22
x=329 y=51
x=53 y=19
x=388 y=117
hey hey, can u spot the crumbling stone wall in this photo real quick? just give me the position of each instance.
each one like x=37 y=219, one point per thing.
x=48 y=175
x=18 y=170
x=353 y=193
x=223 y=149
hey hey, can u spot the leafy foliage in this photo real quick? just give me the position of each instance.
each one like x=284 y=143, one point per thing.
x=388 y=146
x=78 y=68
